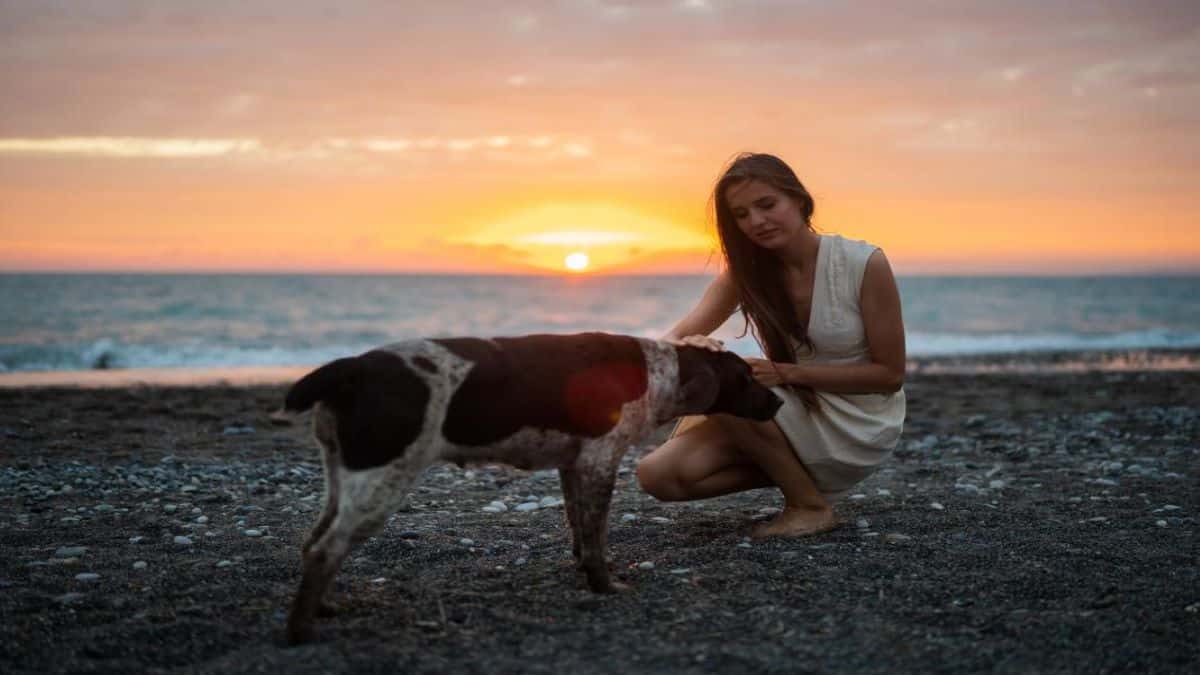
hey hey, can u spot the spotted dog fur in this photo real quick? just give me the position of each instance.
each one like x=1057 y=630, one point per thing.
x=571 y=402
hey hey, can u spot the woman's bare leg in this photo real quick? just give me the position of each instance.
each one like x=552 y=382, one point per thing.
x=722 y=455
x=805 y=510
x=698 y=463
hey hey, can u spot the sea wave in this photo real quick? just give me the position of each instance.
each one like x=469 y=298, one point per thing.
x=981 y=350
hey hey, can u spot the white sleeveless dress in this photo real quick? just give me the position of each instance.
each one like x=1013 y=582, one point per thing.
x=844 y=440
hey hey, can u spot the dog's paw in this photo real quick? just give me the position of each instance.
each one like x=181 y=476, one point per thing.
x=301 y=634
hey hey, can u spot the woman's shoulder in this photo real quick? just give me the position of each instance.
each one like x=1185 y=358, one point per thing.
x=848 y=243
x=855 y=252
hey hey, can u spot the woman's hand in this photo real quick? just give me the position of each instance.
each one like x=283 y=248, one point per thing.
x=768 y=373
x=702 y=341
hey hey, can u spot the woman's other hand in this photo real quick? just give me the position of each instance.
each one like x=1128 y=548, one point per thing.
x=767 y=373
x=702 y=341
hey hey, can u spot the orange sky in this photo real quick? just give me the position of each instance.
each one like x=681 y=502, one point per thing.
x=499 y=137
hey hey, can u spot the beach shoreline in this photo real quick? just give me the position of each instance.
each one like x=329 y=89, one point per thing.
x=1027 y=523
x=1025 y=363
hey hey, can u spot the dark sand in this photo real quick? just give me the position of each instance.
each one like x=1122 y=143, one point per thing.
x=1066 y=540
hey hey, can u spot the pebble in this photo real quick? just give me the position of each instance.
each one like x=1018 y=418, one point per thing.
x=134 y=540
x=549 y=502
x=770 y=510
x=410 y=534
x=87 y=576
x=628 y=517
x=520 y=561
x=996 y=484
x=169 y=508
x=466 y=542
x=140 y=565
x=183 y=541
x=103 y=507
x=681 y=570
x=68 y=598
x=883 y=493
x=896 y=538
x=1160 y=523
x=202 y=520
x=857 y=496
x=252 y=533
x=224 y=563
x=936 y=506
x=660 y=519
x=237 y=430
x=526 y=506
x=70 y=551
x=645 y=566
x=744 y=544
x=862 y=523
x=496 y=507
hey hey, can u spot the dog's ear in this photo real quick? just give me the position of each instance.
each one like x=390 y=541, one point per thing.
x=699 y=384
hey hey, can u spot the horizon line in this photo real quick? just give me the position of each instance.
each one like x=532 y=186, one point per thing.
x=1131 y=272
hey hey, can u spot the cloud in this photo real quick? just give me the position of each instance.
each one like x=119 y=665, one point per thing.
x=130 y=147
x=498 y=146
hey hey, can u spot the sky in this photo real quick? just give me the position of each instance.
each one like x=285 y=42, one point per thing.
x=1020 y=137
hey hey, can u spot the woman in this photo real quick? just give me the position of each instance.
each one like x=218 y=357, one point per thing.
x=826 y=312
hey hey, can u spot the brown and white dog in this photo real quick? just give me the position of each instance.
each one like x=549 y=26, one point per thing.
x=571 y=402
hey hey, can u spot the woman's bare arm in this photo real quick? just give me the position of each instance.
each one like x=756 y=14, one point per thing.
x=879 y=300
x=716 y=305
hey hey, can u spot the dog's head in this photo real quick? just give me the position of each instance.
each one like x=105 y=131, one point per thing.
x=721 y=382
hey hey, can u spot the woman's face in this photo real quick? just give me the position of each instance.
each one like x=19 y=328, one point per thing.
x=770 y=218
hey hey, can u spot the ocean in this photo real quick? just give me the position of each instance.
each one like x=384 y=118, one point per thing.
x=60 y=322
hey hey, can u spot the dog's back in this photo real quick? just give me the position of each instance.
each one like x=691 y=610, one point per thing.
x=575 y=384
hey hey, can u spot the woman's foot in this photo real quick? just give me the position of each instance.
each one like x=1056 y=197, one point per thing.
x=797 y=522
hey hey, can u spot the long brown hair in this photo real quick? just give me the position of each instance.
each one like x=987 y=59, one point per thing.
x=756 y=273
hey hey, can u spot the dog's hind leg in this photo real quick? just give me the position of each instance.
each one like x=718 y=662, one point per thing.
x=361 y=510
x=324 y=430
x=321 y=564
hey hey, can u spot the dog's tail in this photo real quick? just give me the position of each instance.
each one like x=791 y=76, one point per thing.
x=331 y=383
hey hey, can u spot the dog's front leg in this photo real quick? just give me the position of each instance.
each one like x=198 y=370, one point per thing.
x=569 y=477
x=597 y=474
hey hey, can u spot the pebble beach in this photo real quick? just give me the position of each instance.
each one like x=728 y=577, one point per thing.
x=1028 y=522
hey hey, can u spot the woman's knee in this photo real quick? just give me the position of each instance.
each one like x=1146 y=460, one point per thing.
x=659 y=479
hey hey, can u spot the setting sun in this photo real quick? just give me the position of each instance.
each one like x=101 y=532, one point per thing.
x=576 y=262
x=550 y=236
